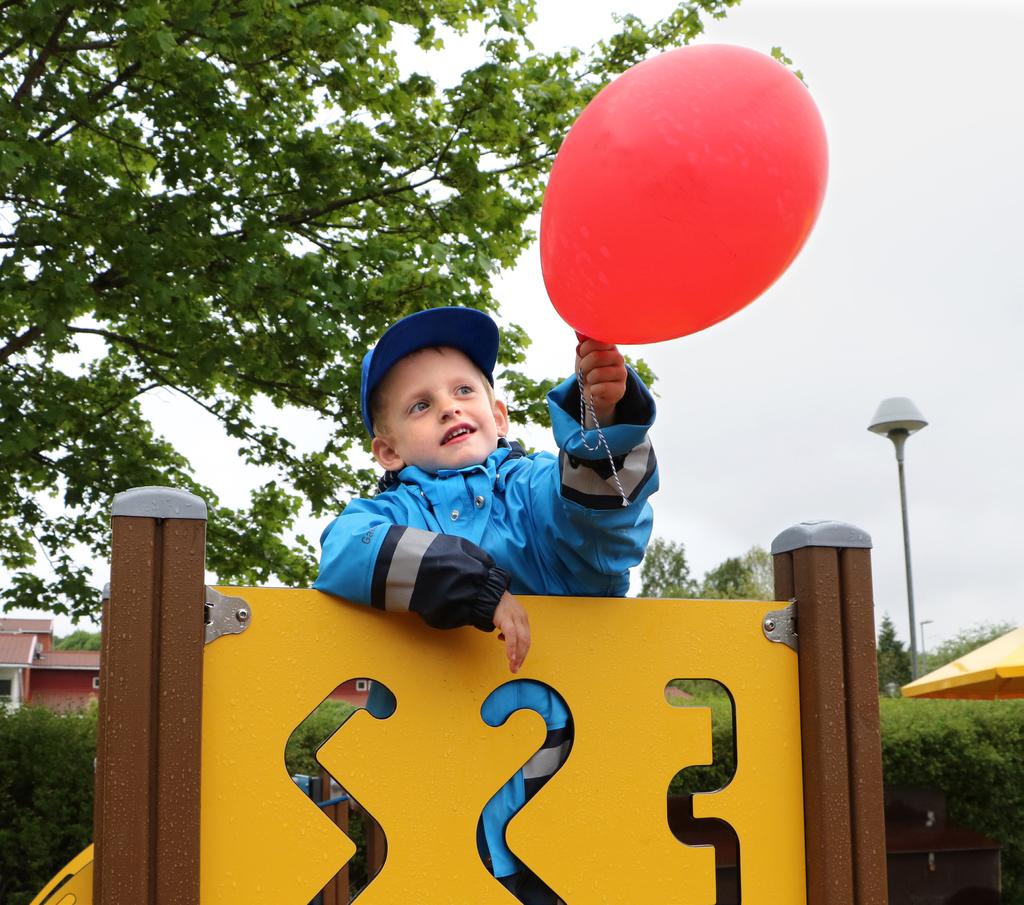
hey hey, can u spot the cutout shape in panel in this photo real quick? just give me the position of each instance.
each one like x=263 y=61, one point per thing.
x=326 y=793
x=412 y=773
x=521 y=788
x=708 y=779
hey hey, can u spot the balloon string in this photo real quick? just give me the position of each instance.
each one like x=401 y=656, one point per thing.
x=587 y=405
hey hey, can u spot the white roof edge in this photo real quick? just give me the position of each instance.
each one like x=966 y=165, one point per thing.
x=95 y=668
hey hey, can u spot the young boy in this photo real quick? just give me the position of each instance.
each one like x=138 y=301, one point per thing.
x=465 y=519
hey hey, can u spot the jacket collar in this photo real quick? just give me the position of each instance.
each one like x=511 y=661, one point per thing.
x=412 y=474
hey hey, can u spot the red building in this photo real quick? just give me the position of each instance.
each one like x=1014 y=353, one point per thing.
x=32 y=672
x=354 y=692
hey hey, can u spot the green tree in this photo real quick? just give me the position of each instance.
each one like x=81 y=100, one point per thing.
x=965 y=641
x=724 y=581
x=892 y=657
x=762 y=573
x=80 y=639
x=746 y=577
x=229 y=200
x=665 y=571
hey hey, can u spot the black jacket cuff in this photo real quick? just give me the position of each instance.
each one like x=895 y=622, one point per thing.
x=482 y=610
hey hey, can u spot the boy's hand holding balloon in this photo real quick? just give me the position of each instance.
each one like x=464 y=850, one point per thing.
x=602 y=370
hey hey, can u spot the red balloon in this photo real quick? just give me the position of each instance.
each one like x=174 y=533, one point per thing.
x=683 y=191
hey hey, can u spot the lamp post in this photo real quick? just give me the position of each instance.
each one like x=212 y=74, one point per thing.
x=924 y=647
x=897 y=418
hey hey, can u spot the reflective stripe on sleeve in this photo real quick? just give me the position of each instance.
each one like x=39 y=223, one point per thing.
x=585 y=482
x=398 y=567
x=544 y=762
x=405 y=567
x=547 y=761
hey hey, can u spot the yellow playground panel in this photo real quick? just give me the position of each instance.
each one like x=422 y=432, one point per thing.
x=72 y=885
x=597 y=832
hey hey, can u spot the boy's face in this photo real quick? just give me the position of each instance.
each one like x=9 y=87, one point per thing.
x=436 y=413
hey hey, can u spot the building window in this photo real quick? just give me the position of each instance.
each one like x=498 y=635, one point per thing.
x=95 y=682
x=362 y=684
x=6 y=689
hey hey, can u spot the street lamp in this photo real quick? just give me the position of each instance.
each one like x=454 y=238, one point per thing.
x=897 y=419
x=924 y=647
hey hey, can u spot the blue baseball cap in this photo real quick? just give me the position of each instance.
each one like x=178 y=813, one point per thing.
x=470 y=331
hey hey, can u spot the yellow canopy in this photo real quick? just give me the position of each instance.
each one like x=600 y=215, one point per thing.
x=991 y=672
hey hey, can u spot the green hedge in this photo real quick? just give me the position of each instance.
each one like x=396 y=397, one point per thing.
x=312 y=732
x=974 y=752
x=46 y=782
x=716 y=775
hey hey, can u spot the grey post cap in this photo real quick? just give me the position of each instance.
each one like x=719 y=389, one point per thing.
x=897 y=413
x=821 y=534
x=159 y=502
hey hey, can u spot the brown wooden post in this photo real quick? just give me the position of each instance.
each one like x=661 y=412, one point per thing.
x=376 y=846
x=146 y=816
x=826 y=568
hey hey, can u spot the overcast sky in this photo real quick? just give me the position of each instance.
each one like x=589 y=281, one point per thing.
x=911 y=285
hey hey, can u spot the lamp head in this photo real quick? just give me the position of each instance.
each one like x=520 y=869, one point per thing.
x=897 y=414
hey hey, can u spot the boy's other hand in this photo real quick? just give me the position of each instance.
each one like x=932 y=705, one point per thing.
x=513 y=627
x=604 y=377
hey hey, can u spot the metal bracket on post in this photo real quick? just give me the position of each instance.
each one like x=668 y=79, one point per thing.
x=225 y=615
x=780 y=626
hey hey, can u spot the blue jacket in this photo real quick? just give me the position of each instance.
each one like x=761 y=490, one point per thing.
x=447 y=545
